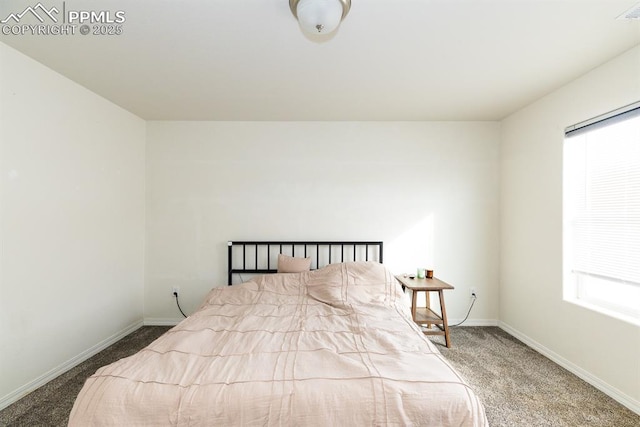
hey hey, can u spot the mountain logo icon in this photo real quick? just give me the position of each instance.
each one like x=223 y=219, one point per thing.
x=39 y=11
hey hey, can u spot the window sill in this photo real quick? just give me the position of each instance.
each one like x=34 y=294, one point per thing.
x=628 y=318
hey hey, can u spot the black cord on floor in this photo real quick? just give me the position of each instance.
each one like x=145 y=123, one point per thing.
x=175 y=294
x=468 y=312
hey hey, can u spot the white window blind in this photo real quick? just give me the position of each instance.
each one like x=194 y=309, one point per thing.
x=602 y=206
x=603 y=160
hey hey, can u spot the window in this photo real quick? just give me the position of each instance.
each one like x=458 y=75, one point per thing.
x=601 y=214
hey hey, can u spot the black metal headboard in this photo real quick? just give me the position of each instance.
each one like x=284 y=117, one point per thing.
x=260 y=257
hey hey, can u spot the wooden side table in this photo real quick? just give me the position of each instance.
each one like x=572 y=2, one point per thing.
x=424 y=315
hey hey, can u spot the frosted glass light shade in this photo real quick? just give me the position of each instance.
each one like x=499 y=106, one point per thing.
x=319 y=16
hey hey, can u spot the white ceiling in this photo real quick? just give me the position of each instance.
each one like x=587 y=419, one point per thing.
x=390 y=59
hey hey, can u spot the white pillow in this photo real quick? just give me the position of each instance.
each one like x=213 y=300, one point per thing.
x=289 y=264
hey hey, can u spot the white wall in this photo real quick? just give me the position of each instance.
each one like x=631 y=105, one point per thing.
x=71 y=222
x=428 y=190
x=72 y=214
x=604 y=350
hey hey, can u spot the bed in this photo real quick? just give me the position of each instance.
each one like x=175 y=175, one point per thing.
x=334 y=345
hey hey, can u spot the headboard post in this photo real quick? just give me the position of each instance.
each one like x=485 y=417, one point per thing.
x=230 y=261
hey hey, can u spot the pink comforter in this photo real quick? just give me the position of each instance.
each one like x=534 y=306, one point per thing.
x=332 y=347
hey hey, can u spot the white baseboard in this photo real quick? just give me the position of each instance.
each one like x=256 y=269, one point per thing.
x=155 y=321
x=607 y=389
x=16 y=395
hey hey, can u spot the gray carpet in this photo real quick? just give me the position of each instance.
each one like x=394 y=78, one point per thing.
x=51 y=404
x=518 y=386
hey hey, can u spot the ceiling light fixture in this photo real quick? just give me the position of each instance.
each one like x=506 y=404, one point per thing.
x=319 y=16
